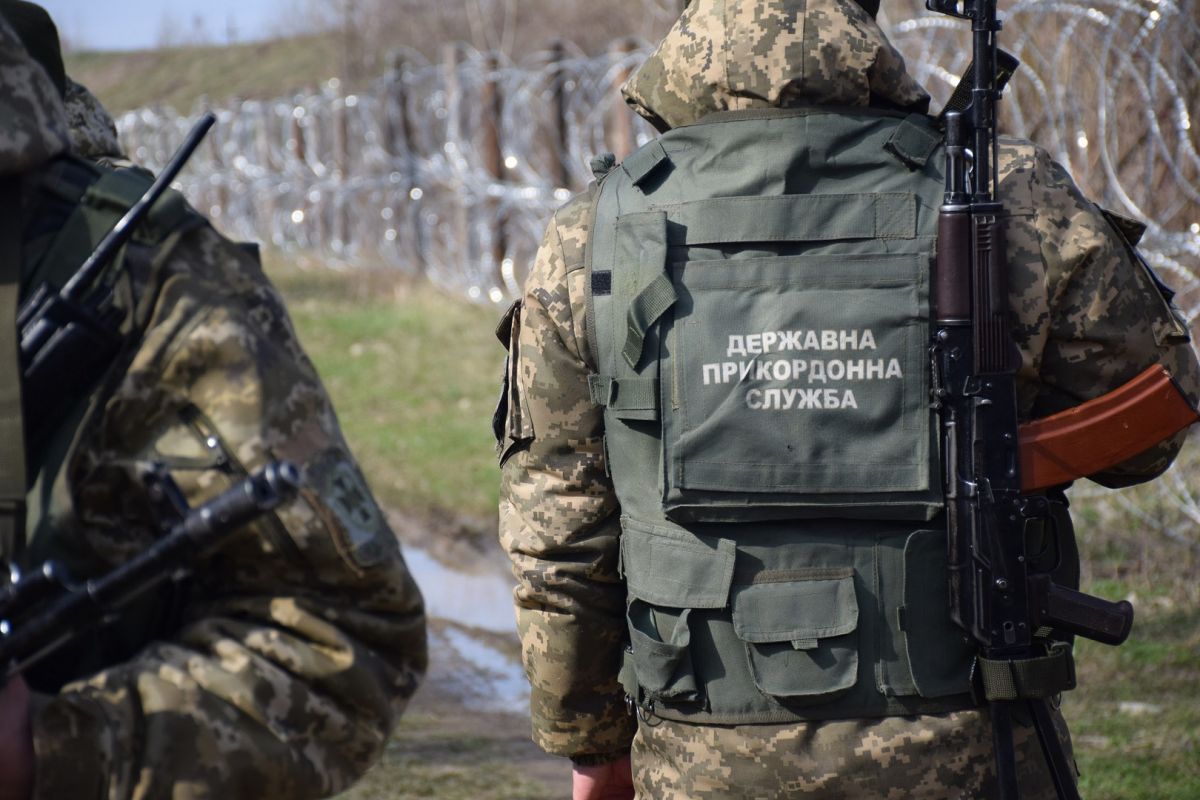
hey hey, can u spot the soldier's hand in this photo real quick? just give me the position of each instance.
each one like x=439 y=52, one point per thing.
x=16 y=742
x=613 y=781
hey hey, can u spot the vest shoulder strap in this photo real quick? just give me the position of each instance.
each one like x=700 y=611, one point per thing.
x=914 y=141
x=91 y=199
x=12 y=451
x=75 y=205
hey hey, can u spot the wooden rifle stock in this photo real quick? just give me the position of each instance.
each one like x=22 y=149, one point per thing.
x=1103 y=432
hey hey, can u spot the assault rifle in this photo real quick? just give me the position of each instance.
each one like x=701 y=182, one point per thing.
x=44 y=609
x=992 y=465
x=69 y=337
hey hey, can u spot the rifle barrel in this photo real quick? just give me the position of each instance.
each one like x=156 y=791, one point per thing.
x=120 y=233
x=25 y=638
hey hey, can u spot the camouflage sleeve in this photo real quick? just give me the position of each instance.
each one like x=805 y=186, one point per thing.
x=558 y=511
x=1091 y=314
x=300 y=640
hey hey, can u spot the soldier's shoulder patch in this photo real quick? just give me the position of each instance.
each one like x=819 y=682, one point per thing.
x=358 y=525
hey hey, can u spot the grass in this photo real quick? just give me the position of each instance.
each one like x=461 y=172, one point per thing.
x=427 y=758
x=414 y=374
x=1135 y=717
x=181 y=76
x=1153 y=552
x=1151 y=749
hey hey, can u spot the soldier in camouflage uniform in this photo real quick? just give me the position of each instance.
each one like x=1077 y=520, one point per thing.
x=281 y=665
x=1089 y=318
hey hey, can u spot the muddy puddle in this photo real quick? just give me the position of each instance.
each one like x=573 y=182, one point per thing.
x=473 y=649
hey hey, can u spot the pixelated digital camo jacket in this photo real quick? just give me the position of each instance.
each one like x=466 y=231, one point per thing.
x=1089 y=319
x=294 y=648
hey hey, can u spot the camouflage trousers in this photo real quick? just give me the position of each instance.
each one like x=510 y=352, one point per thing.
x=939 y=756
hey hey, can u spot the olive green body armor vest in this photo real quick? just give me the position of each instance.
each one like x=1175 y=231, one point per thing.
x=759 y=310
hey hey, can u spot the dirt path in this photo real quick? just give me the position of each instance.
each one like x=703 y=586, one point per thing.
x=447 y=749
x=465 y=736
x=498 y=736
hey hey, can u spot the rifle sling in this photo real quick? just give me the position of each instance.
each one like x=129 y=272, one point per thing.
x=1028 y=678
x=12 y=439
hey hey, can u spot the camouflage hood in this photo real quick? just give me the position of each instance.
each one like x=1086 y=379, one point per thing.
x=33 y=126
x=724 y=55
x=93 y=134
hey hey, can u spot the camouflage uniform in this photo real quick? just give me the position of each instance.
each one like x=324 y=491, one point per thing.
x=1089 y=318
x=280 y=667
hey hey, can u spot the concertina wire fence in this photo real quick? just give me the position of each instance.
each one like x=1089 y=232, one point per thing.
x=450 y=168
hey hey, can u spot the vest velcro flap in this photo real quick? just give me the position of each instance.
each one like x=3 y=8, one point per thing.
x=674 y=568
x=118 y=190
x=642 y=245
x=914 y=141
x=801 y=610
x=626 y=398
x=794 y=218
x=802 y=389
x=642 y=163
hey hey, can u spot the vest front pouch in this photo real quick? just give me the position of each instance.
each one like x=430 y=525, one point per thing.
x=800 y=382
x=799 y=633
x=670 y=574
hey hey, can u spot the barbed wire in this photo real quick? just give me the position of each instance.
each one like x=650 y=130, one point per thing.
x=451 y=168
x=400 y=172
x=1106 y=87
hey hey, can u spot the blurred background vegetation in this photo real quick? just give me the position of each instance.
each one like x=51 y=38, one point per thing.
x=351 y=40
